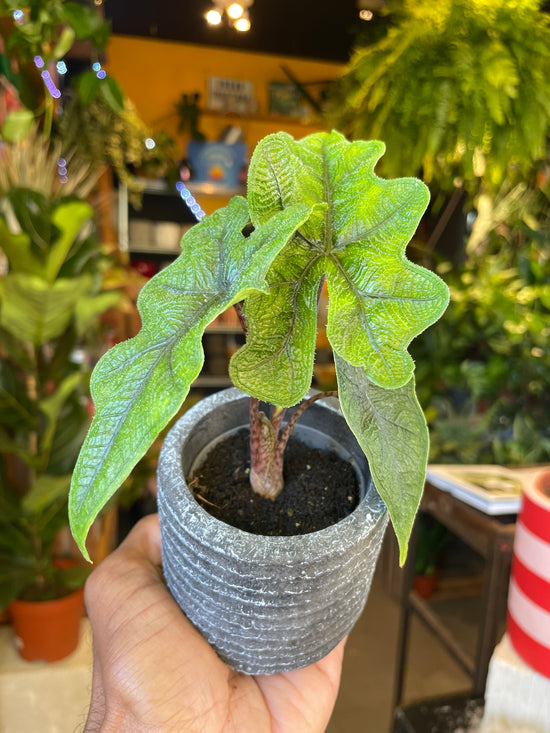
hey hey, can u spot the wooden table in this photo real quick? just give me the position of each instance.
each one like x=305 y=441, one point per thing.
x=492 y=537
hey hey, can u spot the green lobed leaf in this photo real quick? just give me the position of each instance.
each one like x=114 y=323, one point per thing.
x=276 y=363
x=357 y=236
x=45 y=491
x=15 y=406
x=68 y=218
x=140 y=384
x=112 y=93
x=391 y=429
x=34 y=311
x=17 y=125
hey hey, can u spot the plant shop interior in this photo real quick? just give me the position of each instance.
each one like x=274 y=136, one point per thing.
x=126 y=131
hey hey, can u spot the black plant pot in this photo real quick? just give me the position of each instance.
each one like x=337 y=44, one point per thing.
x=266 y=604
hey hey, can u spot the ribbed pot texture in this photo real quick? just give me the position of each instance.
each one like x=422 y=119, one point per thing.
x=266 y=604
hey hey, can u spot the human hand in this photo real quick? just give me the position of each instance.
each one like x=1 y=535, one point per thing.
x=153 y=671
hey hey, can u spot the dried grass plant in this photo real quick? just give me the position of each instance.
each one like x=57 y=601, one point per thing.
x=33 y=163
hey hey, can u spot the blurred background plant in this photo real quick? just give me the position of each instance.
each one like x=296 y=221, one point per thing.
x=65 y=125
x=484 y=370
x=459 y=90
x=51 y=301
x=52 y=64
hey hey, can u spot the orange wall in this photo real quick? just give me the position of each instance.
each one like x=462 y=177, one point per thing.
x=155 y=74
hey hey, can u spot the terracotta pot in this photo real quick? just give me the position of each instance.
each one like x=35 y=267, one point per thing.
x=47 y=630
x=425 y=585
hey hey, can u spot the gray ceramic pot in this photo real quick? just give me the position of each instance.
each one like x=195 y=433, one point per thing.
x=266 y=604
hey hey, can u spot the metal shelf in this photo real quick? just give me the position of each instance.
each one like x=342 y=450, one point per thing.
x=491 y=537
x=147 y=249
x=199 y=188
x=209 y=380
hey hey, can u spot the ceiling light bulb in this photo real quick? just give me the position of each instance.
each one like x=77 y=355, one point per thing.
x=213 y=17
x=243 y=24
x=235 y=10
x=366 y=14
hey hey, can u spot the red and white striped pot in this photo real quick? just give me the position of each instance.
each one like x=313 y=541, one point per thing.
x=529 y=594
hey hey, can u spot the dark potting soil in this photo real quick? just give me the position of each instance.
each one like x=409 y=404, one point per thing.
x=320 y=489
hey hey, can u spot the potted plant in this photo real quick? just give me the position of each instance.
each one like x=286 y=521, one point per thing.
x=50 y=302
x=53 y=292
x=51 y=297
x=315 y=211
x=484 y=384
x=429 y=544
x=459 y=90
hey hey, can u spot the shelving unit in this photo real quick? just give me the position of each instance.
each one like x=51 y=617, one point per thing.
x=271 y=120
x=492 y=538
x=162 y=204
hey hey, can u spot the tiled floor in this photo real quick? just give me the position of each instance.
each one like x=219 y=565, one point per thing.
x=364 y=704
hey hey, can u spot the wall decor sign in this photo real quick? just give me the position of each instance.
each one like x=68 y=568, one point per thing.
x=231 y=95
x=285 y=99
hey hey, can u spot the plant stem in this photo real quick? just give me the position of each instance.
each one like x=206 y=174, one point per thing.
x=48 y=116
x=242 y=318
x=268 y=443
x=36 y=543
x=285 y=435
x=266 y=468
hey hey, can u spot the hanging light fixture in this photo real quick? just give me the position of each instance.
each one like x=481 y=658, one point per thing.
x=234 y=11
x=242 y=23
x=213 y=16
x=367 y=8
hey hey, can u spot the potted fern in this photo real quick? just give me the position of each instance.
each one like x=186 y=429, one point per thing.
x=458 y=89
x=315 y=210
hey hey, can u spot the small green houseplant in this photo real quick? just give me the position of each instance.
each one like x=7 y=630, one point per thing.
x=317 y=211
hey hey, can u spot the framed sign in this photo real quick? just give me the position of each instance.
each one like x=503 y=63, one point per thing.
x=285 y=99
x=231 y=95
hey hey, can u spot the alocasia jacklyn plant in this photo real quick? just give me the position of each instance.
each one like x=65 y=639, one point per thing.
x=318 y=211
